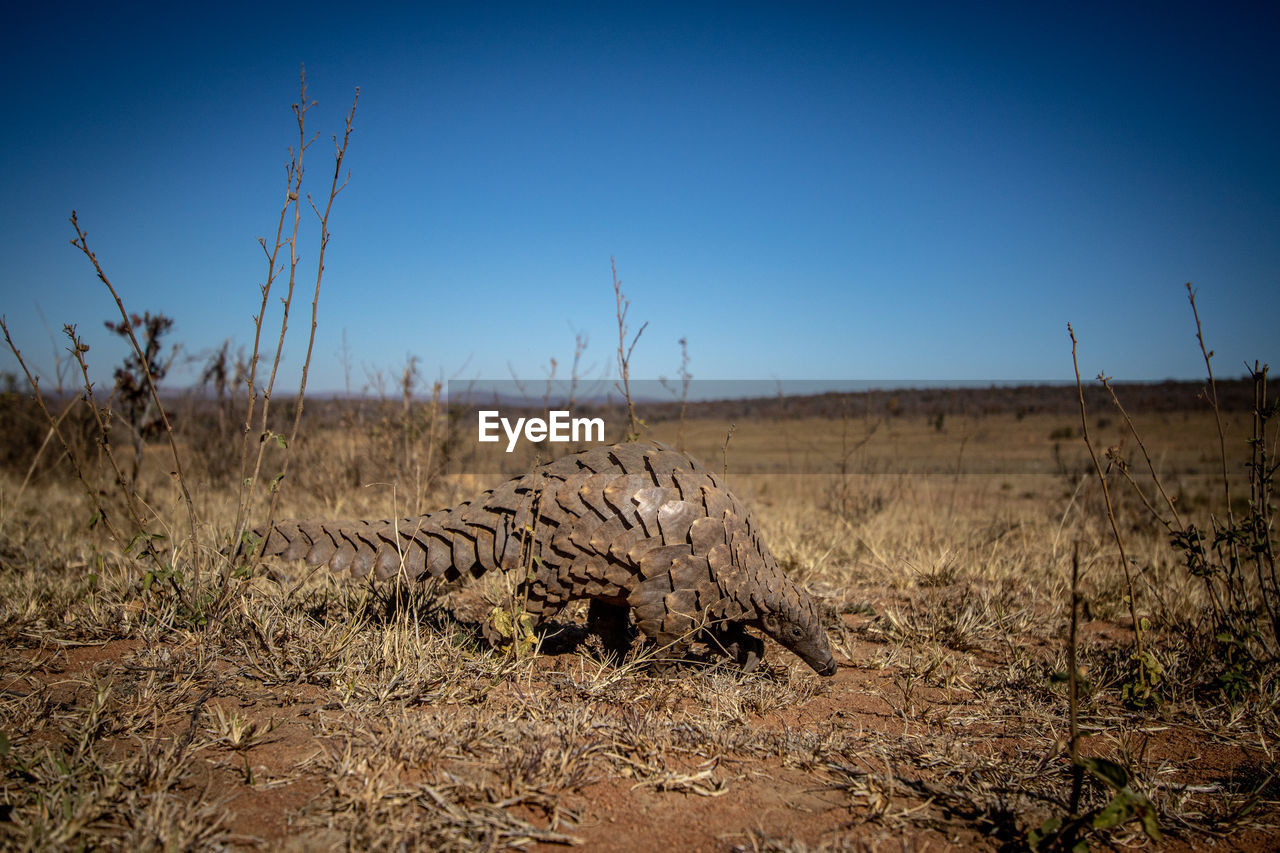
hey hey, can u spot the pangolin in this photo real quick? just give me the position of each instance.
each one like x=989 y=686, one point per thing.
x=634 y=526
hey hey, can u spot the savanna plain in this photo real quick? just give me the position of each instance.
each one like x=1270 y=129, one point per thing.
x=153 y=696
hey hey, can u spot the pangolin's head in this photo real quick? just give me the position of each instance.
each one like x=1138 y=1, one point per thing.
x=791 y=618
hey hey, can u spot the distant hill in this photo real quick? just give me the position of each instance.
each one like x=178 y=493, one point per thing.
x=1168 y=396
x=1059 y=399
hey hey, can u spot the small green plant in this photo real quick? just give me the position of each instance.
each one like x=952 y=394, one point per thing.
x=514 y=627
x=509 y=623
x=1124 y=805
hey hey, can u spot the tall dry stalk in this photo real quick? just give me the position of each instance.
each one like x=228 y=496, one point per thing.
x=433 y=413
x=1232 y=566
x=133 y=505
x=1213 y=401
x=102 y=420
x=1151 y=468
x=340 y=152
x=55 y=426
x=409 y=378
x=82 y=243
x=624 y=352
x=575 y=372
x=1073 y=685
x=293 y=187
x=251 y=462
x=686 y=378
x=1139 y=652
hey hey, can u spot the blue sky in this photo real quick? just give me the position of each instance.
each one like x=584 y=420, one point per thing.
x=803 y=191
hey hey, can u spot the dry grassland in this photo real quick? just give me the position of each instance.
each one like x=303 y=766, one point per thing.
x=314 y=712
